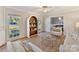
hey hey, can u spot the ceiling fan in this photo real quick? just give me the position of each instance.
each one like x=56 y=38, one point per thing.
x=46 y=9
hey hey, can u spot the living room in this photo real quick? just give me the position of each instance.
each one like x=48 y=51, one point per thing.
x=50 y=22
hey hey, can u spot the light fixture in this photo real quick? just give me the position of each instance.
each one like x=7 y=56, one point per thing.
x=45 y=8
x=59 y=18
x=77 y=25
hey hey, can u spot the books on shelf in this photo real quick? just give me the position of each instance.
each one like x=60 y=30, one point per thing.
x=33 y=25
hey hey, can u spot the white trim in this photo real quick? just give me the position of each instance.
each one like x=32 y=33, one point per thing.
x=21 y=10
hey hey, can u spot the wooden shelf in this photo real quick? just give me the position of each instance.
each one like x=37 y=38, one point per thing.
x=33 y=25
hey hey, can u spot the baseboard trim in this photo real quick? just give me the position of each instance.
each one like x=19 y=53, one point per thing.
x=19 y=38
x=23 y=37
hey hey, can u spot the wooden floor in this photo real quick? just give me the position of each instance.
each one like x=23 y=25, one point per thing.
x=45 y=41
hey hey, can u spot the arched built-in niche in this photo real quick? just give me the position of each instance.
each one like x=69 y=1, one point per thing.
x=31 y=26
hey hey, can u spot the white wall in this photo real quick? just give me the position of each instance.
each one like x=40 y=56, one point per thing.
x=24 y=16
x=47 y=24
x=69 y=19
x=2 y=27
x=22 y=21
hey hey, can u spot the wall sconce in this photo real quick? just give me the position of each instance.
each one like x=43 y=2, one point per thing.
x=77 y=25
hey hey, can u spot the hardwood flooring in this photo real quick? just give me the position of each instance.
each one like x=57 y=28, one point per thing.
x=45 y=41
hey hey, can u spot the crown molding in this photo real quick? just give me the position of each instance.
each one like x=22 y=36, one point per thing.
x=21 y=10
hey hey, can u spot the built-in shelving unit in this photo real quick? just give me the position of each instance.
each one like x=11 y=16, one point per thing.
x=33 y=25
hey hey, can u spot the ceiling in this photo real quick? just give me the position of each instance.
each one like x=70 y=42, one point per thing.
x=51 y=9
